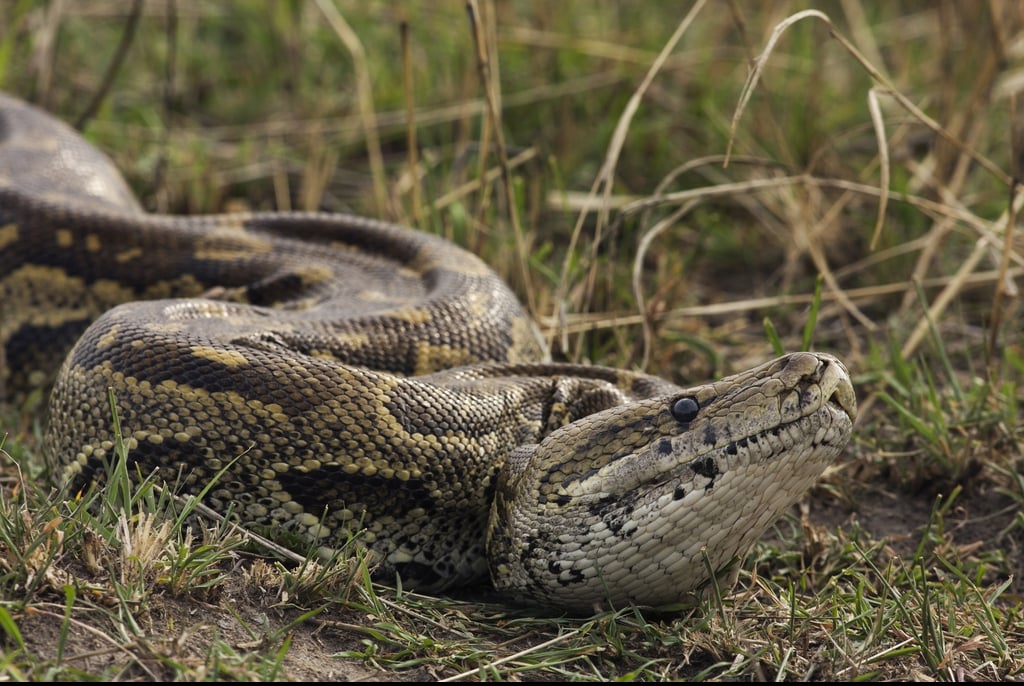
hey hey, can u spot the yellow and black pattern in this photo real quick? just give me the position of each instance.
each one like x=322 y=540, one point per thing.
x=350 y=376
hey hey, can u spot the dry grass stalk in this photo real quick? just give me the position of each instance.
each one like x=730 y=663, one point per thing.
x=606 y=175
x=364 y=96
x=486 y=57
x=410 y=110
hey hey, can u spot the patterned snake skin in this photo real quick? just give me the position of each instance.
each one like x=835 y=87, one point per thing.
x=339 y=376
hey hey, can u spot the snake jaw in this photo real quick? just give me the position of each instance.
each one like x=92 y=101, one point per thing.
x=644 y=525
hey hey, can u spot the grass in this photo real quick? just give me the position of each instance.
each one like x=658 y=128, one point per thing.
x=579 y=149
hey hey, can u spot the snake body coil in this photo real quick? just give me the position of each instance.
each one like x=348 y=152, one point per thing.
x=341 y=376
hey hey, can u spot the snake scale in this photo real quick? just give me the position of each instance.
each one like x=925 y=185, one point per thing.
x=341 y=376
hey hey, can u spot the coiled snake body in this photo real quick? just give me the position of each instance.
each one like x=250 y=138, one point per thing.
x=349 y=376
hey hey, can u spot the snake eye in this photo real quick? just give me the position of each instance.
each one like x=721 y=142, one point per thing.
x=685 y=409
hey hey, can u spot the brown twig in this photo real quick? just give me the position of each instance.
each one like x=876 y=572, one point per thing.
x=115 y=64
x=484 y=67
x=410 y=126
x=364 y=96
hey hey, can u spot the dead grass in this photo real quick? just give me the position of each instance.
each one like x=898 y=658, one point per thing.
x=659 y=187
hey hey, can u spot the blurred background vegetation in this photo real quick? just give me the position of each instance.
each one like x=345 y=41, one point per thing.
x=222 y=106
x=409 y=111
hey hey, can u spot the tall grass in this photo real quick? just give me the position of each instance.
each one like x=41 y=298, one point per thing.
x=658 y=186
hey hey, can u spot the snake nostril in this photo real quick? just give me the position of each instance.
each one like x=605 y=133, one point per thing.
x=839 y=389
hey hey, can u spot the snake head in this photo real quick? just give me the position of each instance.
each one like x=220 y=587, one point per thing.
x=638 y=503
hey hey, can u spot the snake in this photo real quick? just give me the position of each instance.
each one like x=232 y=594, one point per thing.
x=334 y=379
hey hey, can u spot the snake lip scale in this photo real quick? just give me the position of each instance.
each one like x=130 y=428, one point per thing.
x=335 y=376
